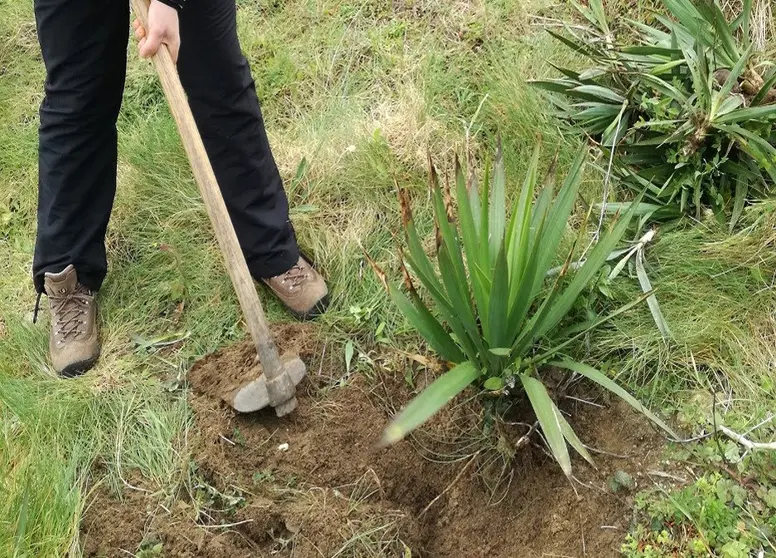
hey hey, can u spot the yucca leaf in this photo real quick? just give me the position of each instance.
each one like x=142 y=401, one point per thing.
x=595 y=110
x=616 y=129
x=647 y=145
x=556 y=348
x=617 y=269
x=582 y=277
x=594 y=15
x=656 y=34
x=542 y=205
x=605 y=382
x=637 y=182
x=761 y=113
x=521 y=205
x=433 y=398
x=701 y=62
x=519 y=231
x=571 y=74
x=646 y=288
x=474 y=198
x=427 y=325
x=449 y=236
x=547 y=415
x=743 y=20
x=464 y=327
x=521 y=303
x=453 y=273
x=573 y=439
x=554 y=85
x=470 y=239
x=755 y=146
x=650 y=50
x=575 y=46
x=419 y=260
x=683 y=201
x=557 y=219
x=728 y=105
x=666 y=67
x=588 y=75
x=497 y=212
x=687 y=15
x=420 y=265
x=599 y=92
x=437 y=291
x=485 y=227
x=652 y=123
x=596 y=126
x=527 y=334
x=498 y=302
x=664 y=87
x=700 y=78
x=713 y=14
x=679 y=35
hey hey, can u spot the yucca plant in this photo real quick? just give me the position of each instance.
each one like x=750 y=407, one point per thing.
x=490 y=308
x=686 y=106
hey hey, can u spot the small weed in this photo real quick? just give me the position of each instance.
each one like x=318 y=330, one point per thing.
x=265 y=475
x=150 y=549
x=238 y=436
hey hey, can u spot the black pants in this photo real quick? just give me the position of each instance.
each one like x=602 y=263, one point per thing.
x=84 y=46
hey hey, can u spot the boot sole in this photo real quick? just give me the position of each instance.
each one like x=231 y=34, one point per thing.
x=319 y=308
x=78 y=368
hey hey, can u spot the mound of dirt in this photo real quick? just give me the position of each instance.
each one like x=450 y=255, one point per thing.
x=316 y=484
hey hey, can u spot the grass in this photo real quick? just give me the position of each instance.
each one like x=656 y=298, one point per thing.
x=358 y=90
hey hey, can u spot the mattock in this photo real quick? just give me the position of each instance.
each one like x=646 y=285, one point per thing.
x=277 y=385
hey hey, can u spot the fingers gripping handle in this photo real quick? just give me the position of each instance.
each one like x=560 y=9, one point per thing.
x=281 y=391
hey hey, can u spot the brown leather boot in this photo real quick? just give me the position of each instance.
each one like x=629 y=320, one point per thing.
x=301 y=289
x=73 y=341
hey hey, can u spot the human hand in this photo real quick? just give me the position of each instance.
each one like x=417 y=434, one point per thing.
x=162 y=28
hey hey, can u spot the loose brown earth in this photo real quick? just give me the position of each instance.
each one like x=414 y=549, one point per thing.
x=316 y=484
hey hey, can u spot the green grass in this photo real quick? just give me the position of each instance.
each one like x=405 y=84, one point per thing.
x=359 y=90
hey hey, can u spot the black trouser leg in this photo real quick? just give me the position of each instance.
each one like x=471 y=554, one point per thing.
x=222 y=95
x=84 y=45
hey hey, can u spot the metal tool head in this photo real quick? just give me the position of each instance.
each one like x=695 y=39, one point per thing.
x=255 y=395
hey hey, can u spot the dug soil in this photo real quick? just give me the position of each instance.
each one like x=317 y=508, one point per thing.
x=317 y=484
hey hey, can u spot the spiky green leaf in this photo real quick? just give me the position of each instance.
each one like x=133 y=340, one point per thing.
x=547 y=414
x=573 y=439
x=497 y=212
x=609 y=384
x=427 y=325
x=433 y=398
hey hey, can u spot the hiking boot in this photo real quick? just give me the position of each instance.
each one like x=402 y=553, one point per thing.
x=301 y=289
x=73 y=341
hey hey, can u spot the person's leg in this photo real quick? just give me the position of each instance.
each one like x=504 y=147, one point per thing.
x=84 y=45
x=222 y=95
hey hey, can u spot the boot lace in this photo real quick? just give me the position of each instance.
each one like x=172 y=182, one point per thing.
x=297 y=275
x=68 y=313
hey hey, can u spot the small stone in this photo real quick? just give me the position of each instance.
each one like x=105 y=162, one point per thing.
x=283 y=447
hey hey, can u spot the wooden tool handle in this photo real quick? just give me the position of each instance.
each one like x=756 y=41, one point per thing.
x=214 y=203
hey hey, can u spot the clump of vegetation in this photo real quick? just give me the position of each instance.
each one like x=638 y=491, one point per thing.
x=498 y=322
x=713 y=516
x=687 y=108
